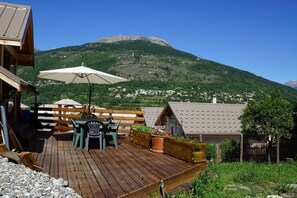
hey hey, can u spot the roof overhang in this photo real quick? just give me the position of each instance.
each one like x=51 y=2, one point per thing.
x=16 y=30
x=166 y=111
x=214 y=134
x=15 y=81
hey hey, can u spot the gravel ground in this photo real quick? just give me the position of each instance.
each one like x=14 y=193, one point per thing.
x=19 y=181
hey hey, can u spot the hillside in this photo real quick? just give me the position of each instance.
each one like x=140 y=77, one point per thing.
x=157 y=72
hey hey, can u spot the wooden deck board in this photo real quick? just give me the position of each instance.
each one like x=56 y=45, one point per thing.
x=54 y=160
x=124 y=171
x=118 y=174
x=128 y=171
x=104 y=166
x=141 y=171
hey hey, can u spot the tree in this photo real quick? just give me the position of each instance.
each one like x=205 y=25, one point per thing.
x=271 y=118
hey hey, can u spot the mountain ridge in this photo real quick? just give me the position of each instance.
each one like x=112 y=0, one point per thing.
x=157 y=73
x=119 y=38
x=292 y=83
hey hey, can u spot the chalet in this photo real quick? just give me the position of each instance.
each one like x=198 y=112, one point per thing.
x=16 y=50
x=209 y=122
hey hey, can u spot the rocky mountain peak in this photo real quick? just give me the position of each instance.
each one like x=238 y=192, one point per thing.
x=152 y=39
x=291 y=83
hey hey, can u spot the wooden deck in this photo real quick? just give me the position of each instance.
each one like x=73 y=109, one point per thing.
x=129 y=171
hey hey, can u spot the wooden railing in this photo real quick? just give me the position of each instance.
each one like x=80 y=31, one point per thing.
x=58 y=118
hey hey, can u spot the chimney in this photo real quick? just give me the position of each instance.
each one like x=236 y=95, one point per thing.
x=214 y=100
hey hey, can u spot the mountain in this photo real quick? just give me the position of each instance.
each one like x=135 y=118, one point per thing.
x=157 y=73
x=292 y=83
x=133 y=38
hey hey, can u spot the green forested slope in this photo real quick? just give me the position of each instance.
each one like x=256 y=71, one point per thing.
x=157 y=74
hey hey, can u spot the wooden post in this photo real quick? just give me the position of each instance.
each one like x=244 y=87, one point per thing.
x=241 y=147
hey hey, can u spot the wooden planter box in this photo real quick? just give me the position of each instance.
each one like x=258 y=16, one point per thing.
x=141 y=138
x=191 y=152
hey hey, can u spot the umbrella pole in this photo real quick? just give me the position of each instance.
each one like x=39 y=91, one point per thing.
x=90 y=95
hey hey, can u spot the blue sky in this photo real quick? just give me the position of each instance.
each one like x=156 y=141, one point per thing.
x=259 y=36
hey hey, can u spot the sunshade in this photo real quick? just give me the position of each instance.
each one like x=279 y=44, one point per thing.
x=68 y=101
x=81 y=74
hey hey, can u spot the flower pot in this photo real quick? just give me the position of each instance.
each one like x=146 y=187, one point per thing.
x=157 y=144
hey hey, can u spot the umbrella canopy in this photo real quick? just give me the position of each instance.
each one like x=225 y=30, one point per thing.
x=81 y=74
x=67 y=102
x=23 y=106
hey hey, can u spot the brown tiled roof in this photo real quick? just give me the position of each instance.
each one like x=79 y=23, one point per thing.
x=151 y=114
x=208 y=118
x=16 y=29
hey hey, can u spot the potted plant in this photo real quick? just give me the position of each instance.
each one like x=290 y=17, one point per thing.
x=141 y=135
x=158 y=137
x=185 y=149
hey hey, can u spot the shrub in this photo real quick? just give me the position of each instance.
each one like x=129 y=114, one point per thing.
x=228 y=149
x=211 y=151
x=142 y=128
x=206 y=185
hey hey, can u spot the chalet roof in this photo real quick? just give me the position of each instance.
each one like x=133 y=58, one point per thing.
x=15 y=81
x=205 y=118
x=16 y=30
x=151 y=114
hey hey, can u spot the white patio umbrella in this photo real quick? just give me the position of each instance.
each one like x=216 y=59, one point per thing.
x=67 y=101
x=81 y=74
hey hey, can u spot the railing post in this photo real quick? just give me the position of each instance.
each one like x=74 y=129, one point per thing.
x=162 y=190
x=35 y=114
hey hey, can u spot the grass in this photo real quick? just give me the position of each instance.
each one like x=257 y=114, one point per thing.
x=248 y=179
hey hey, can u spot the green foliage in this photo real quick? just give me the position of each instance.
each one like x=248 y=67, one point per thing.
x=247 y=179
x=228 y=148
x=206 y=185
x=284 y=189
x=142 y=128
x=194 y=142
x=183 y=139
x=151 y=130
x=147 y=66
x=211 y=151
x=270 y=116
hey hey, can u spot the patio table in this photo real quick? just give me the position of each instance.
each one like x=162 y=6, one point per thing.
x=81 y=123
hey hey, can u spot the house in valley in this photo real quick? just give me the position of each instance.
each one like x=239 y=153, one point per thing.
x=208 y=122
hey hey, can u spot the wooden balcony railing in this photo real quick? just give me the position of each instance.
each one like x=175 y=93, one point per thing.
x=58 y=118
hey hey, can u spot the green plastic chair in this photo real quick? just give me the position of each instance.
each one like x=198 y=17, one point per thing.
x=77 y=135
x=112 y=130
x=95 y=129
